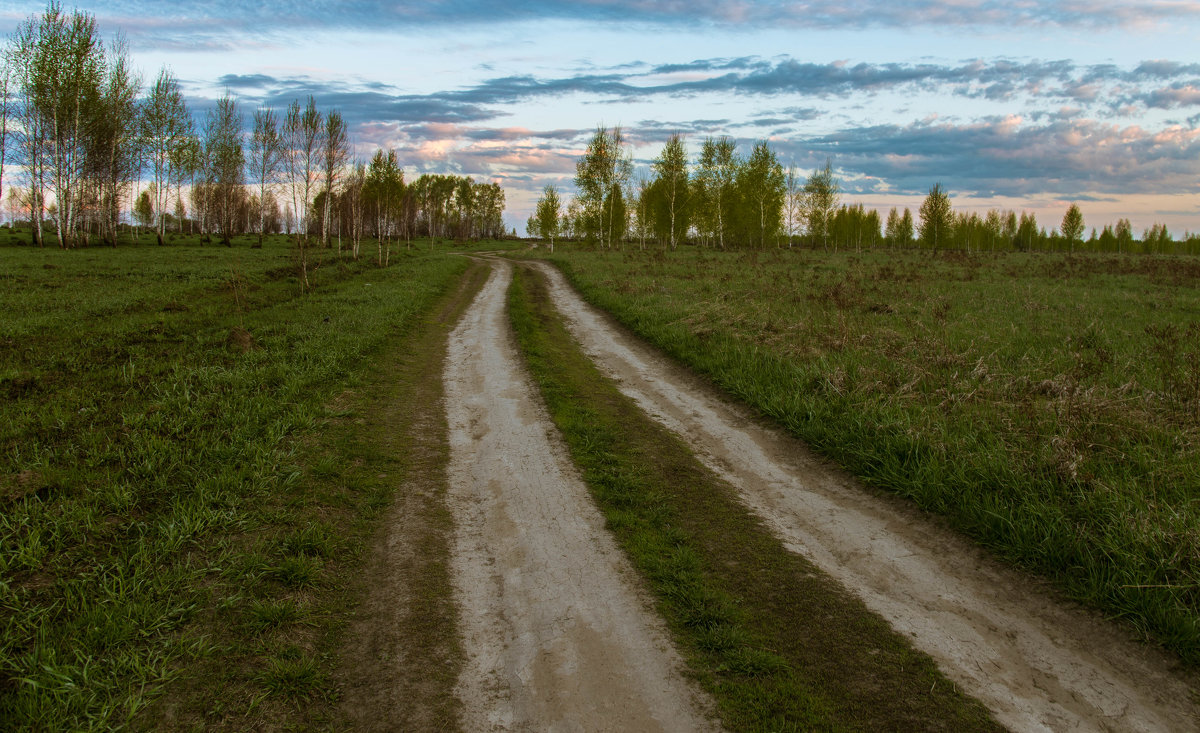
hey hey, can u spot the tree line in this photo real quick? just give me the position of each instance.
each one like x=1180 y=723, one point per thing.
x=723 y=199
x=91 y=143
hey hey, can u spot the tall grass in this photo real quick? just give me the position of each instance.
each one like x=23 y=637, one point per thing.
x=1047 y=404
x=153 y=504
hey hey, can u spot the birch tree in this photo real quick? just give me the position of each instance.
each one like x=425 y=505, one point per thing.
x=302 y=130
x=717 y=171
x=226 y=166
x=1072 y=226
x=116 y=143
x=334 y=154
x=601 y=175
x=547 y=214
x=166 y=126
x=671 y=181
x=821 y=197
x=5 y=111
x=60 y=67
x=793 y=204
x=937 y=219
x=266 y=156
x=762 y=185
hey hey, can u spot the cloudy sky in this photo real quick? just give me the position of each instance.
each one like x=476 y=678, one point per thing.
x=1023 y=104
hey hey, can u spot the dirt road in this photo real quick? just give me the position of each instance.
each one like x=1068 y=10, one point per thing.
x=1035 y=662
x=557 y=635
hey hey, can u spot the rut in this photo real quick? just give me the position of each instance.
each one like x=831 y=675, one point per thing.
x=556 y=633
x=1036 y=662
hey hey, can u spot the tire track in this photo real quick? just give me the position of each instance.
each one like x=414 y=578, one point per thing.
x=1037 y=664
x=557 y=635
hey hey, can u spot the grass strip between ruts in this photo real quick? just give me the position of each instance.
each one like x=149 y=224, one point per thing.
x=779 y=645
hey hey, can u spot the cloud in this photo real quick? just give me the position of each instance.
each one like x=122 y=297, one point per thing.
x=1104 y=87
x=189 y=20
x=1177 y=95
x=1007 y=157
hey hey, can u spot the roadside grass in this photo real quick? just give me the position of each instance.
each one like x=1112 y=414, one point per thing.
x=779 y=645
x=1049 y=405
x=167 y=501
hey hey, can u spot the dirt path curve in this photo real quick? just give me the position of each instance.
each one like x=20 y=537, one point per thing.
x=557 y=637
x=1037 y=664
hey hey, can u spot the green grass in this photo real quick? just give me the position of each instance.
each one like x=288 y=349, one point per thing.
x=1048 y=404
x=779 y=645
x=164 y=493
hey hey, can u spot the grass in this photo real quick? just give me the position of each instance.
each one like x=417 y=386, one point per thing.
x=1048 y=405
x=166 y=503
x=777 y=644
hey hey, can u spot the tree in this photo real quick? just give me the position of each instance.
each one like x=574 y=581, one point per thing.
x=761 y=184
x=1027 y=232
x=904 y=232
x=600 y=176
x=335 y=153
x=547 y=214
x=892 y=226
x=115 y=150
x=6 y=108
x=302 y=138
x=715 y=178
x=937 y=219
x=1072 y=226
x=383 y=193
x=266 y=158
x=143 y=210
x=226 y=165
x=672 y=182
x=355 y=183
x=59 y=65
x=1124 y=235
x=821 y=198
x=166 y=127
x=793 y=204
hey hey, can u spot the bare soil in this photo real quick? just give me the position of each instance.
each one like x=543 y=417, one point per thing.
x=1037 y=662
x=557 y=634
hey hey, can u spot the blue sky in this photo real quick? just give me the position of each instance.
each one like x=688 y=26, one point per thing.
x=1017 y=104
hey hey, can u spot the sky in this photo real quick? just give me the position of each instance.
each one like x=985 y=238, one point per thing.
x=1017 y=104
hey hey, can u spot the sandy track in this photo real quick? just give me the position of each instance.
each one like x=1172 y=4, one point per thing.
x=1036 y=663
x=557 y=636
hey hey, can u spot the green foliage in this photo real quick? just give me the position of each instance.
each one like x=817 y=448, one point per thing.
x=821 y=195
x=600 y=176
x=1072 y=226
x=937 y=221
x=761 y=189
x=547 y=215
x=670 y=197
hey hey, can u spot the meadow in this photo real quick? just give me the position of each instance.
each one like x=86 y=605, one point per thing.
x=1048 y=405
x=167 y=503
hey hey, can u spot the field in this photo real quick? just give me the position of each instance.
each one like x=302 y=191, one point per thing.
x=168 y=499
x=197 y=458
x=1048 y=405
